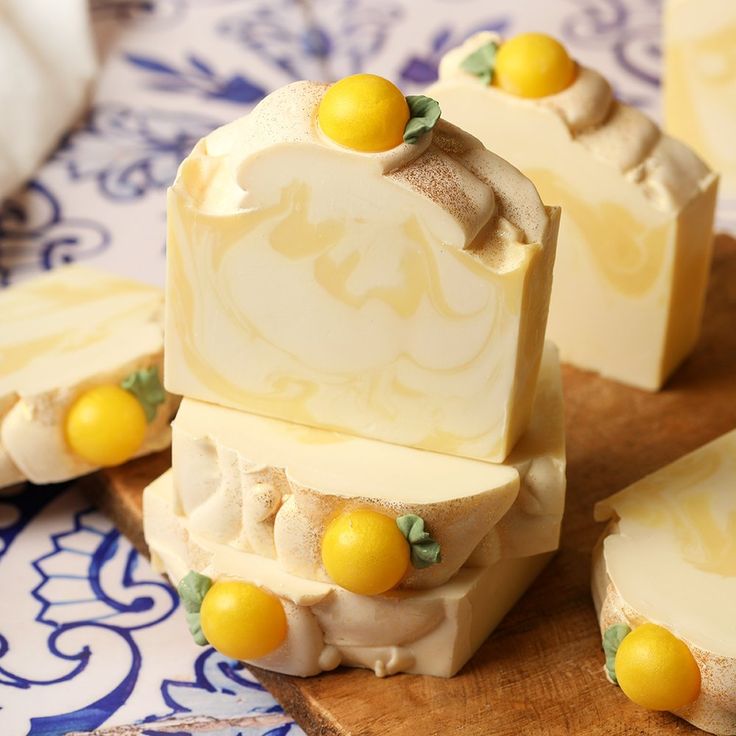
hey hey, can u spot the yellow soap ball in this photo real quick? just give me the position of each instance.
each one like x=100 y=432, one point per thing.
x=656 y=670
x=365 y=552
x=364 y=112
x=105 y=425
x=533 y=65
x=241 y=620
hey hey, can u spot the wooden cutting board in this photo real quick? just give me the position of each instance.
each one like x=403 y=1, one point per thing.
x=541 y=671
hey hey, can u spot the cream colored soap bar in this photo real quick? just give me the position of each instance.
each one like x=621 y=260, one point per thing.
x=60 y=334
x=428 y=632
x=700 y=86
x=249 y=497
x=636 y=232
x=669 y=557
x=400 y=296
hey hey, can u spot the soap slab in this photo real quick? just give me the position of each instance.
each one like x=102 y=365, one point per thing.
x=250 y=496
x=669 y=556
x=61 y=334
x=400 y=296
x=635 y=238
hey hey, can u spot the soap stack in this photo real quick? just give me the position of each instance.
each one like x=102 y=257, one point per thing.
x=368 y=462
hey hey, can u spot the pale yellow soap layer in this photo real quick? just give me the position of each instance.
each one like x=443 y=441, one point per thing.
x=699 y=89
x=670 y=558
x=400 y=296
x=636 y=231
x=60 y=334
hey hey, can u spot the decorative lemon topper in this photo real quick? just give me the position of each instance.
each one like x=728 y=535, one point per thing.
x=368 y=113
x=652 y=666
x=106 y=425
x=528 y=65
x=237 y=618
x=368 y=553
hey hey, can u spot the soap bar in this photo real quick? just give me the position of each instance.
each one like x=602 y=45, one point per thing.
x=636 y=232
x=400 y=296
x=250 y=497
x=669 y=557
x=699 y=89
x=427 y=632
x=60 y=335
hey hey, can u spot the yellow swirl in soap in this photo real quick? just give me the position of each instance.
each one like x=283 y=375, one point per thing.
x=627 y=254
x=681 y=498
x=340 y=290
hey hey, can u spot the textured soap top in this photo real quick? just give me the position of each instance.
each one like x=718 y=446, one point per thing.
x=486 y=198
x=667 y=171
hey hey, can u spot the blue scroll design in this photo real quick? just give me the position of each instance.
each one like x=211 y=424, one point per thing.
x=131 y=152
x=36 y=235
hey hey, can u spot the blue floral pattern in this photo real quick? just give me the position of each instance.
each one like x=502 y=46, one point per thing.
x=333 y=37
x=157 y=12
x=633 y=37
x=226 y=688
x=131 y=152
x=197 y=76
x=36 y=235
x=94 y=599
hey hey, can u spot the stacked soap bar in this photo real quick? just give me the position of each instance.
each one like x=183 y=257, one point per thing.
x=81 y=353
x=699 y=89
x=356 y=325
x=636 y=234
x=400 y=296
x=664 y=585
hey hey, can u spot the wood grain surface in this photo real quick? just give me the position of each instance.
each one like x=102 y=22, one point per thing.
x=541 y=671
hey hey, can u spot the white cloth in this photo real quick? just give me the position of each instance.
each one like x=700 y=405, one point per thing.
x=47 y=64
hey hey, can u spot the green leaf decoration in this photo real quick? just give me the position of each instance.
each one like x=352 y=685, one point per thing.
x=425 y=551
x=424 y=114
x=146 y=386
x=192 y=589
x=481 y=62
x=612 y=639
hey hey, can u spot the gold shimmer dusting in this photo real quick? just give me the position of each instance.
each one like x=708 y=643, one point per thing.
x=715 y=704
x=449 y=143
x=437 y=180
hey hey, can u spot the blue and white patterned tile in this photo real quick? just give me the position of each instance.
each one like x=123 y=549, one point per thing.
x=621 y=38
x=92 y=638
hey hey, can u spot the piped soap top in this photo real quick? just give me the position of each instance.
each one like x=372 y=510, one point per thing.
x=476 y=198
x=621 y=136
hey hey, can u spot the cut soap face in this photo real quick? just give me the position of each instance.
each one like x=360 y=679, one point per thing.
x=61 y=334
x=636 y=230
x=400 y=296
x=699 y=89
x=669 y=557
x=249 y=497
